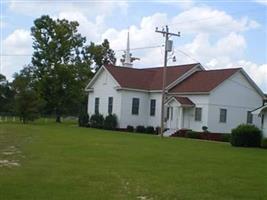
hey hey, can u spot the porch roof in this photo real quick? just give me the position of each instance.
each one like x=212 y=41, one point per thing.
x=259 y=110
x=184 y=101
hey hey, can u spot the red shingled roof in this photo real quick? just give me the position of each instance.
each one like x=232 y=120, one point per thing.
x=184 y=101
x=148 y=78
x=203 y=81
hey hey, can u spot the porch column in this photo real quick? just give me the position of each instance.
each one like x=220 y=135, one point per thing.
x=181 y=119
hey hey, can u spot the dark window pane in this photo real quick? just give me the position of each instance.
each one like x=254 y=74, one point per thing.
x=198 y=114
x=110 y=105
x=135 y=106
x=223 y=115
x=152 y=107
x=249 y=118
x=96 y=105
x=168 y=113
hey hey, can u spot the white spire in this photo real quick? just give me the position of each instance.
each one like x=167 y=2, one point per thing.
x=127 y=52
x=128 y=62
x=127 y=59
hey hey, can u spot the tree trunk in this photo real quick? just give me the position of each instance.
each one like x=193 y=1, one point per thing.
x=58 y=115
x=58 y=119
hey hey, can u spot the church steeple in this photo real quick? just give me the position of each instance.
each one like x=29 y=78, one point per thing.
x=127 y=59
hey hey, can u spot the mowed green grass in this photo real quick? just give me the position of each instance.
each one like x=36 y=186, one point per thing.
x=63 y=161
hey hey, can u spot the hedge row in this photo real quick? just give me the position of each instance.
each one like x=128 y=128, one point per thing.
x=142 y=129
x=205 y=135
x=110 y=122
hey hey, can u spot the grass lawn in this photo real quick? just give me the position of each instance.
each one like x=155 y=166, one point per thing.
x=62 y=161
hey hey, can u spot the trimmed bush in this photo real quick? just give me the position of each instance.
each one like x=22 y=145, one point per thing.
x=110 y=122
x=246 y=135
x=225 y=138
x=264 y=143
x=97 y=121
x=140 y=129
x=192 y=134
x=150 y=130
x=130 y=128
x=83 y=119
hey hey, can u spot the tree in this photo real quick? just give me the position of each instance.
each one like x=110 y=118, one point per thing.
x=3 y=83
x=27 y=100
x=6 y=95
x=60 y=63
x=101 y=54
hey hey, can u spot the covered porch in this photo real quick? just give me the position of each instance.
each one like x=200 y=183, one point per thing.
x=179 y=110
x=262 y=112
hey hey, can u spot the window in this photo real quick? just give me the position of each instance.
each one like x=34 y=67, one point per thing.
x=96 y=105
x=152 y=107
x=223 y=115
x=135 y=106
x=198 y=114
x=171 y=113
x=249 y=118
x=110 y=105
x=168 y=113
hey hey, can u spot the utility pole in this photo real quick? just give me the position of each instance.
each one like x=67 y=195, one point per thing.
x=168 y=47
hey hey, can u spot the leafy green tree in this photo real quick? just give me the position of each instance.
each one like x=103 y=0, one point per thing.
x=101 y=54
x=6 y=95
x=61 y=65
x=27 y=100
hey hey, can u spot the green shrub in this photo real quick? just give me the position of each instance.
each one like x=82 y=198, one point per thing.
x=110 y=122
x=97 y=121
x=83 y=119
x=150 y=130
x=130 y=128
x=264 y=143
x=225 y=137
x=192 y=134
x=140 y=129
x=246 y=135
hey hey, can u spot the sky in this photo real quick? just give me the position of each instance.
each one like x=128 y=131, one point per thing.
x=218 y=34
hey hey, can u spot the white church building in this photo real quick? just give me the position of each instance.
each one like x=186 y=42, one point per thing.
x=220 y=99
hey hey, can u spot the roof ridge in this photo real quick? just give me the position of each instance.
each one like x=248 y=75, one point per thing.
x=148 y=68
x=221 y=69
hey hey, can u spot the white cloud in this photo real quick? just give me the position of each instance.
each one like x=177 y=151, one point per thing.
x=258 y=72
x=208 y=20
x=227 y=48
x=17 y=43
x=88 y=8
x=185 y=4
x=263 y=2
x=90 y=29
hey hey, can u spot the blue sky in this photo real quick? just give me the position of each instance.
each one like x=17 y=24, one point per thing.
x=219 y=34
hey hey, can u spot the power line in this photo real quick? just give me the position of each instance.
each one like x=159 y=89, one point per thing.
x=132 y=49
x=141 y=48
x=188 y=55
